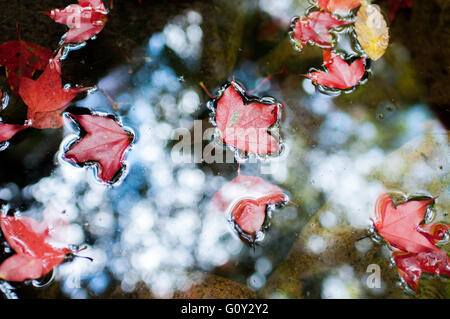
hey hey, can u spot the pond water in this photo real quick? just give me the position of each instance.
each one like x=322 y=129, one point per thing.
x=153 y=233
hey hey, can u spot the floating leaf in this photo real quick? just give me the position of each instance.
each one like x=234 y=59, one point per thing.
x=244 y=121
x=45 y=97
x=413 y=244
x=22 y=59
x=340 y=74
x=7 y=131
x=411 y=265
x=399 y=226
x=371 y=30
x=104 y=142
x=85 y=19
x=245 y=199
x=338 y=5
x=314 y=29
x=35 y=244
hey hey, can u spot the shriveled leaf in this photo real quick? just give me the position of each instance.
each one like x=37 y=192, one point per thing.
x=104 y=144
x=45 y=97
x=372 y=31
x=21 y=59
x=314 y=29
x=85 y=19
x=245 y=199
x=410 y=266
x=244 y=121
x=338 y=6
x=340 y=74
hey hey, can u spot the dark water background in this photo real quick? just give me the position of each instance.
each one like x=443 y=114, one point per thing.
x=153 y=235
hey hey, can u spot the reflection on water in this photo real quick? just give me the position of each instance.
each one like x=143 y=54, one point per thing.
x=155 y=227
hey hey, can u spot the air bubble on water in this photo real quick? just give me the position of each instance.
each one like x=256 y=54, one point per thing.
x=7 y=249
x=4 y=146
x=92 y=90
x=67 y=47
x=44 y=281
x=7 y=290
x=4 y=101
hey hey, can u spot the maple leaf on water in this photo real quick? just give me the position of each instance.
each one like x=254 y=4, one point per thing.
x=245 y=199
x=244 y=121
x=399 y=226
x=38 y=245
x=45 y=97
x=339 y=74
x=396 y=5
x=314 y=29
x=104 y=142
x=338 y=5
x=22 y=59
x=7 y=131
x=413 y=243
x=85 y=19
x=411 y=265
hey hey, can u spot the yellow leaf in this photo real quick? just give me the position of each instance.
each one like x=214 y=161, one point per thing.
x=372 y=30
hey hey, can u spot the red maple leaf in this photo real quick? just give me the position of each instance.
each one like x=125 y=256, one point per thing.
x=410 y=266
x=7 y=131
x=37 y=245
x=395 y=5
x=399 y=226
x=413 y=244
x=314 y=29
x=245 y=199
x=340 y=74
x=104 y=142
x=22 y=59
x=85 y=19
x=45 y=97
x=338 y=5
x=244 y=121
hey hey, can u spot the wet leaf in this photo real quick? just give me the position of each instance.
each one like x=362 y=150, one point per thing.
x=245 y=199
x=396 y=5
x=22 y=59
x=343 y=243
x=371 y=30
x=314 y=29
x=45 y=97
x=414 y=247
x=338 y=5
x=399 y=226
x=244 y=121
x=37 y=245
x=7 y=131
x=104 y=143
x=410 y=266
x=340 y=74
x=85 y=19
